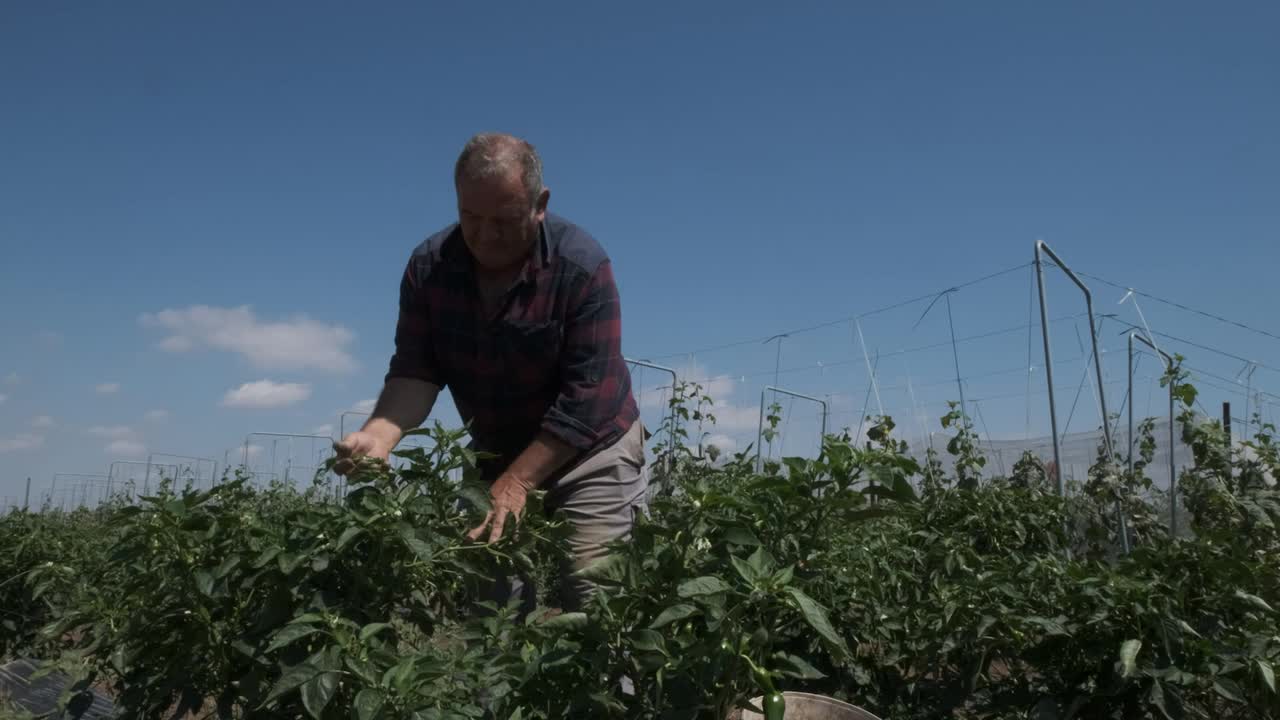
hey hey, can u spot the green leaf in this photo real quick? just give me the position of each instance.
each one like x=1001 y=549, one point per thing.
x=366 y=671
x=267 y=556
x=816 y=616
x=1188 y=629
x=741 y=536
x=226 y=567
x=1268 y=673
x=477 y=496
x=1156 y=698
x=204 y=582
x=784 y=576
x=372 y=629
x=673 y=614
x=705 y=585
x=649 y=641
x=288 y=562
x=291 y=680
x=748 y=573
x=347 y=537
x=762 y=561
x=289 y=634
x=368 y=702
x=566 y=621
x=1227 y=688
x=985 y=624
x=401 y=675
x=307 y=618
x=318 y=691
x=419 y=548
x=1051 y=627
x=1254 y=600
x=796 y=667
x=607 y=569
x=1129 y=657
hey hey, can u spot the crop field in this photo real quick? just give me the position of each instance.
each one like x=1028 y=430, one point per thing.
x=914 y=590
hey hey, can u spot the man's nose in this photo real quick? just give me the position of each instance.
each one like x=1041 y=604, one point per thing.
x=490 y=230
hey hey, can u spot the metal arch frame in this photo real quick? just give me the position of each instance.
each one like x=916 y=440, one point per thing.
x=81 y=487
x=671 y=429
x=213 y=479
x=276 y=434
x=342 y=421
x=111 y=471
x=1043 y=248
x=1173 y=386
x=760 y=425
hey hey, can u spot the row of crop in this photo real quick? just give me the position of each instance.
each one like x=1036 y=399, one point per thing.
x=912 y=591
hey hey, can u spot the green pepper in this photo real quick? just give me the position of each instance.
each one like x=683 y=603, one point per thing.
x=775 y=706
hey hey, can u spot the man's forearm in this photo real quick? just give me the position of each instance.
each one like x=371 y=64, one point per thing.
x=545 y=455
x=403 y=405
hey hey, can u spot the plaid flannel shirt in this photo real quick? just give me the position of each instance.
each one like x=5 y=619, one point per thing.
x=550 y=360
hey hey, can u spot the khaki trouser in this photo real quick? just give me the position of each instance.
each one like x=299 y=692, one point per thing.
x=601 y=500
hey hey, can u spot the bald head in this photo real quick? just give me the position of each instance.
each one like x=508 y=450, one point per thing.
x=487 y=156
x=501 y=200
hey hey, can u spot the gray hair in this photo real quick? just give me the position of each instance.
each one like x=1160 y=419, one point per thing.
x=490 y=154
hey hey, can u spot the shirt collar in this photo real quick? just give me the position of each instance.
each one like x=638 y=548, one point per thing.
x=540 y=257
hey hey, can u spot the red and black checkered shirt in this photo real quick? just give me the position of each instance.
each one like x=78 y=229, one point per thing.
x=550 y=360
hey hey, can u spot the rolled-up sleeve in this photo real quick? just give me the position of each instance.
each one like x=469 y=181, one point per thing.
x=593 y=375
x=414 y=355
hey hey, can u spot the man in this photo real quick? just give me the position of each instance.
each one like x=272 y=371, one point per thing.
x=515 y=310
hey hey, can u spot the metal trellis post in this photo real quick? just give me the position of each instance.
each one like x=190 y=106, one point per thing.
x=1043 y=248
x=277 y=437
x=342 y=422
x=671 y=428
x=1173 y=465
x=760 y=425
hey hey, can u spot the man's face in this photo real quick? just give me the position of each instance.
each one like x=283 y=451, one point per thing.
x=499 y=224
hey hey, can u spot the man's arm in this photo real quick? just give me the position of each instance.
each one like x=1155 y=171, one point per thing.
x=404 y=404
x=545 y=455
x=411 y=386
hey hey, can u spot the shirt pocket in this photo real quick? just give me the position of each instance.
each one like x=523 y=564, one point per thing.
x=530 y=354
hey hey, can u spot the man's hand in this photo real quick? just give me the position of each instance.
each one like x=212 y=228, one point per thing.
x=361 y=443
x=508 y=494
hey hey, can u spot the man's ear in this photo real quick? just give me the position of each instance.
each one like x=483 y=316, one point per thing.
x=540 y=205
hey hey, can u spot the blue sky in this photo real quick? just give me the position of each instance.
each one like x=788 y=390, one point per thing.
x=204 y=210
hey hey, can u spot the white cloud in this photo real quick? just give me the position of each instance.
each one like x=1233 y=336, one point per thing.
x=113 y=432
x=12 y=379
x=156 y=415
x=252 y=451
x=21 y=441
x=653 y=389
x=730 y=418
x=176 y=344
x=108 y=388
x=42 y=421
x=717 y=388
x=365 y=406
x=736 y=418
x=126 y=448
x=323 y=430
x=265 y=394
x=293 y=344
x=123 y=440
